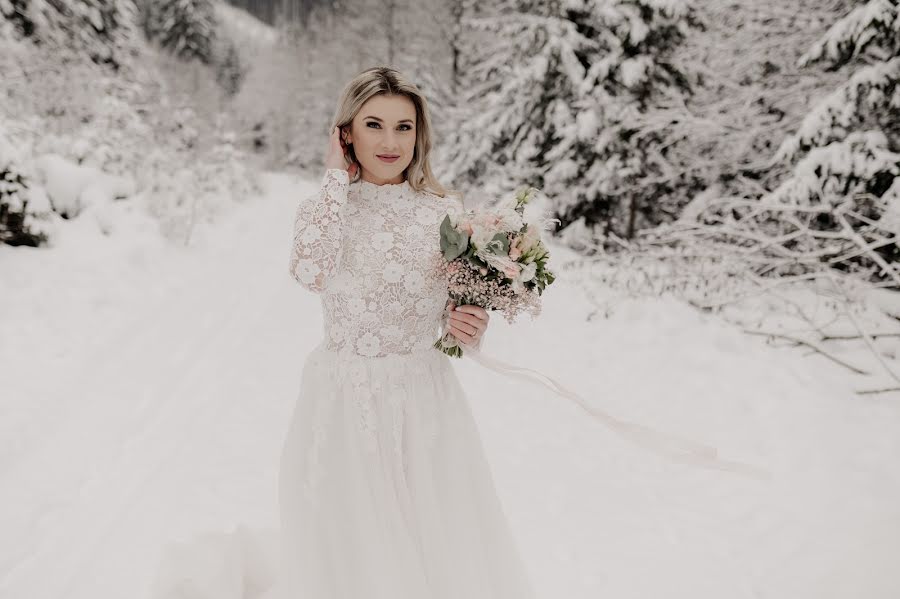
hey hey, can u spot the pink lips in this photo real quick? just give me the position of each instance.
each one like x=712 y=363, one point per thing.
x=387 y=158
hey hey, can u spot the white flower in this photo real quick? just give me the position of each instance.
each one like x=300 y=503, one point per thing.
x=368 y=345
x=376 y=220
x=382 y=241
x=307 y=270
x=504 y=264
x=528 y=272
x=413 y=281
x=393 y=272
x=526 y=275
x=509 y=220
x=393 y=308
x=481 y=236
x=310 y=234
x=356 y=305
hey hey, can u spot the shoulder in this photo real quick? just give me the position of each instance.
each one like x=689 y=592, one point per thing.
x=450 y=201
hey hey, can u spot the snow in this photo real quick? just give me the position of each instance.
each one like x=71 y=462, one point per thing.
x=843 y=108
x=848 y=36
x=822 y=174
x=73 y=188
x=147 y=389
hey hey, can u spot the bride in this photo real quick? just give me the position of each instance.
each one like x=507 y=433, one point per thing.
x=384 y=489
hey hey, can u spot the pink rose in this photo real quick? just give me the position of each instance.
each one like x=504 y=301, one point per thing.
x=511 y=270
x=515 y=250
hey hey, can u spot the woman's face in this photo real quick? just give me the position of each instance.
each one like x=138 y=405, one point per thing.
x=384 y=127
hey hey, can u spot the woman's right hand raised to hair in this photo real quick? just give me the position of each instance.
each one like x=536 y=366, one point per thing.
x=336 y=156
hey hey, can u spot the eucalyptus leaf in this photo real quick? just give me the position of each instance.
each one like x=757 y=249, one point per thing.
x=499 y=244
x=453 y=243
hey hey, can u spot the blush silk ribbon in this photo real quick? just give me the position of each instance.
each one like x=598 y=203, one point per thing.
x=675 y=447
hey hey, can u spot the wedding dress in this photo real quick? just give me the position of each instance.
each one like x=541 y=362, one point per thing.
x=385 y=491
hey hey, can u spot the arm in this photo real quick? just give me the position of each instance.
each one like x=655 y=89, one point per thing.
x=318 y=224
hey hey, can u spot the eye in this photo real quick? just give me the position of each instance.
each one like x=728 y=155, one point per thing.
x=405 y=126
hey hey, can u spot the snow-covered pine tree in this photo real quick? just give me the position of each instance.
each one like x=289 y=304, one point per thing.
x=847 y=149
x=24 y=210
x=184 y=27
x=101 y=29
x=553 y=92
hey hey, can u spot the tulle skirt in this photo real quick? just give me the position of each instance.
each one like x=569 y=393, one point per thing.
x=385 y=492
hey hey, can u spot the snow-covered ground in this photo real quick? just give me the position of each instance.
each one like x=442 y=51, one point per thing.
x=146 y=390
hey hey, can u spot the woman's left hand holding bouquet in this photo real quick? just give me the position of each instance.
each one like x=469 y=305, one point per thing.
x=467 y=323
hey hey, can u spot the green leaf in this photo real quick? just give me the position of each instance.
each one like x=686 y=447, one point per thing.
x=453 y=243
x=499 y=244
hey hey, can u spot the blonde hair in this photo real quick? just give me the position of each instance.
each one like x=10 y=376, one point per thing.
x=389 y=81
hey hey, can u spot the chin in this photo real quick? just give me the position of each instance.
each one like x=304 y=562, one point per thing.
x=394 y=171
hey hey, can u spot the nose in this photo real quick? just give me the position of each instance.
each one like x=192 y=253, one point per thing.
x=389 y=144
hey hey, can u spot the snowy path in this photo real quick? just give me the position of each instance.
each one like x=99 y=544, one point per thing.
x=156 y=409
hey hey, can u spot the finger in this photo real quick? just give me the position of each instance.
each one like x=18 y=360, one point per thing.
x=474 y=310
x=460 y=334
x=460 y=331
x=463 y=326
x=467 y=318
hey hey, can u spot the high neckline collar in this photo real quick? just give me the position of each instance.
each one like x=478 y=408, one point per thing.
x=369 y=189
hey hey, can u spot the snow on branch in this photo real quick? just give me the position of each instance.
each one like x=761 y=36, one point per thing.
x=833 y=170
x=811 y=276
x=875 y=23
x=873 y=90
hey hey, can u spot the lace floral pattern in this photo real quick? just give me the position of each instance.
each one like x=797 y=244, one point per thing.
x=373 y=253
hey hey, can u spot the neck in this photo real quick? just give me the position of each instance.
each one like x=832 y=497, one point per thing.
x=374 y=180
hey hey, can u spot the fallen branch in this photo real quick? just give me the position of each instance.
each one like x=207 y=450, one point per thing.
x=810 y=345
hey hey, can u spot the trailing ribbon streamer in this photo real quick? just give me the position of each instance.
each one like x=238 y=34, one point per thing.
x=676 y=447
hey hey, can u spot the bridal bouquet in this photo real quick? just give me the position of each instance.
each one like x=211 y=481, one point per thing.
x=495 y=259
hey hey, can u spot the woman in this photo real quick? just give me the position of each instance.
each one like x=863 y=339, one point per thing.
x=385 y=492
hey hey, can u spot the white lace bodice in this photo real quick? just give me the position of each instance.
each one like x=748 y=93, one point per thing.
x=373 y=253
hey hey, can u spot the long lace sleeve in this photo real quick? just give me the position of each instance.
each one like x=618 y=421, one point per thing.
x=318 y=225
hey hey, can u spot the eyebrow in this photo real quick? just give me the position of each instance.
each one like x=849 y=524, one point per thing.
x=380 y=121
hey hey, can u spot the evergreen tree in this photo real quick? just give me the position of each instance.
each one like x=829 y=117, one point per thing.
x=847 y=149
x=100 y=29
x=184 y=27
x=24 y=210
x=554 y=95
